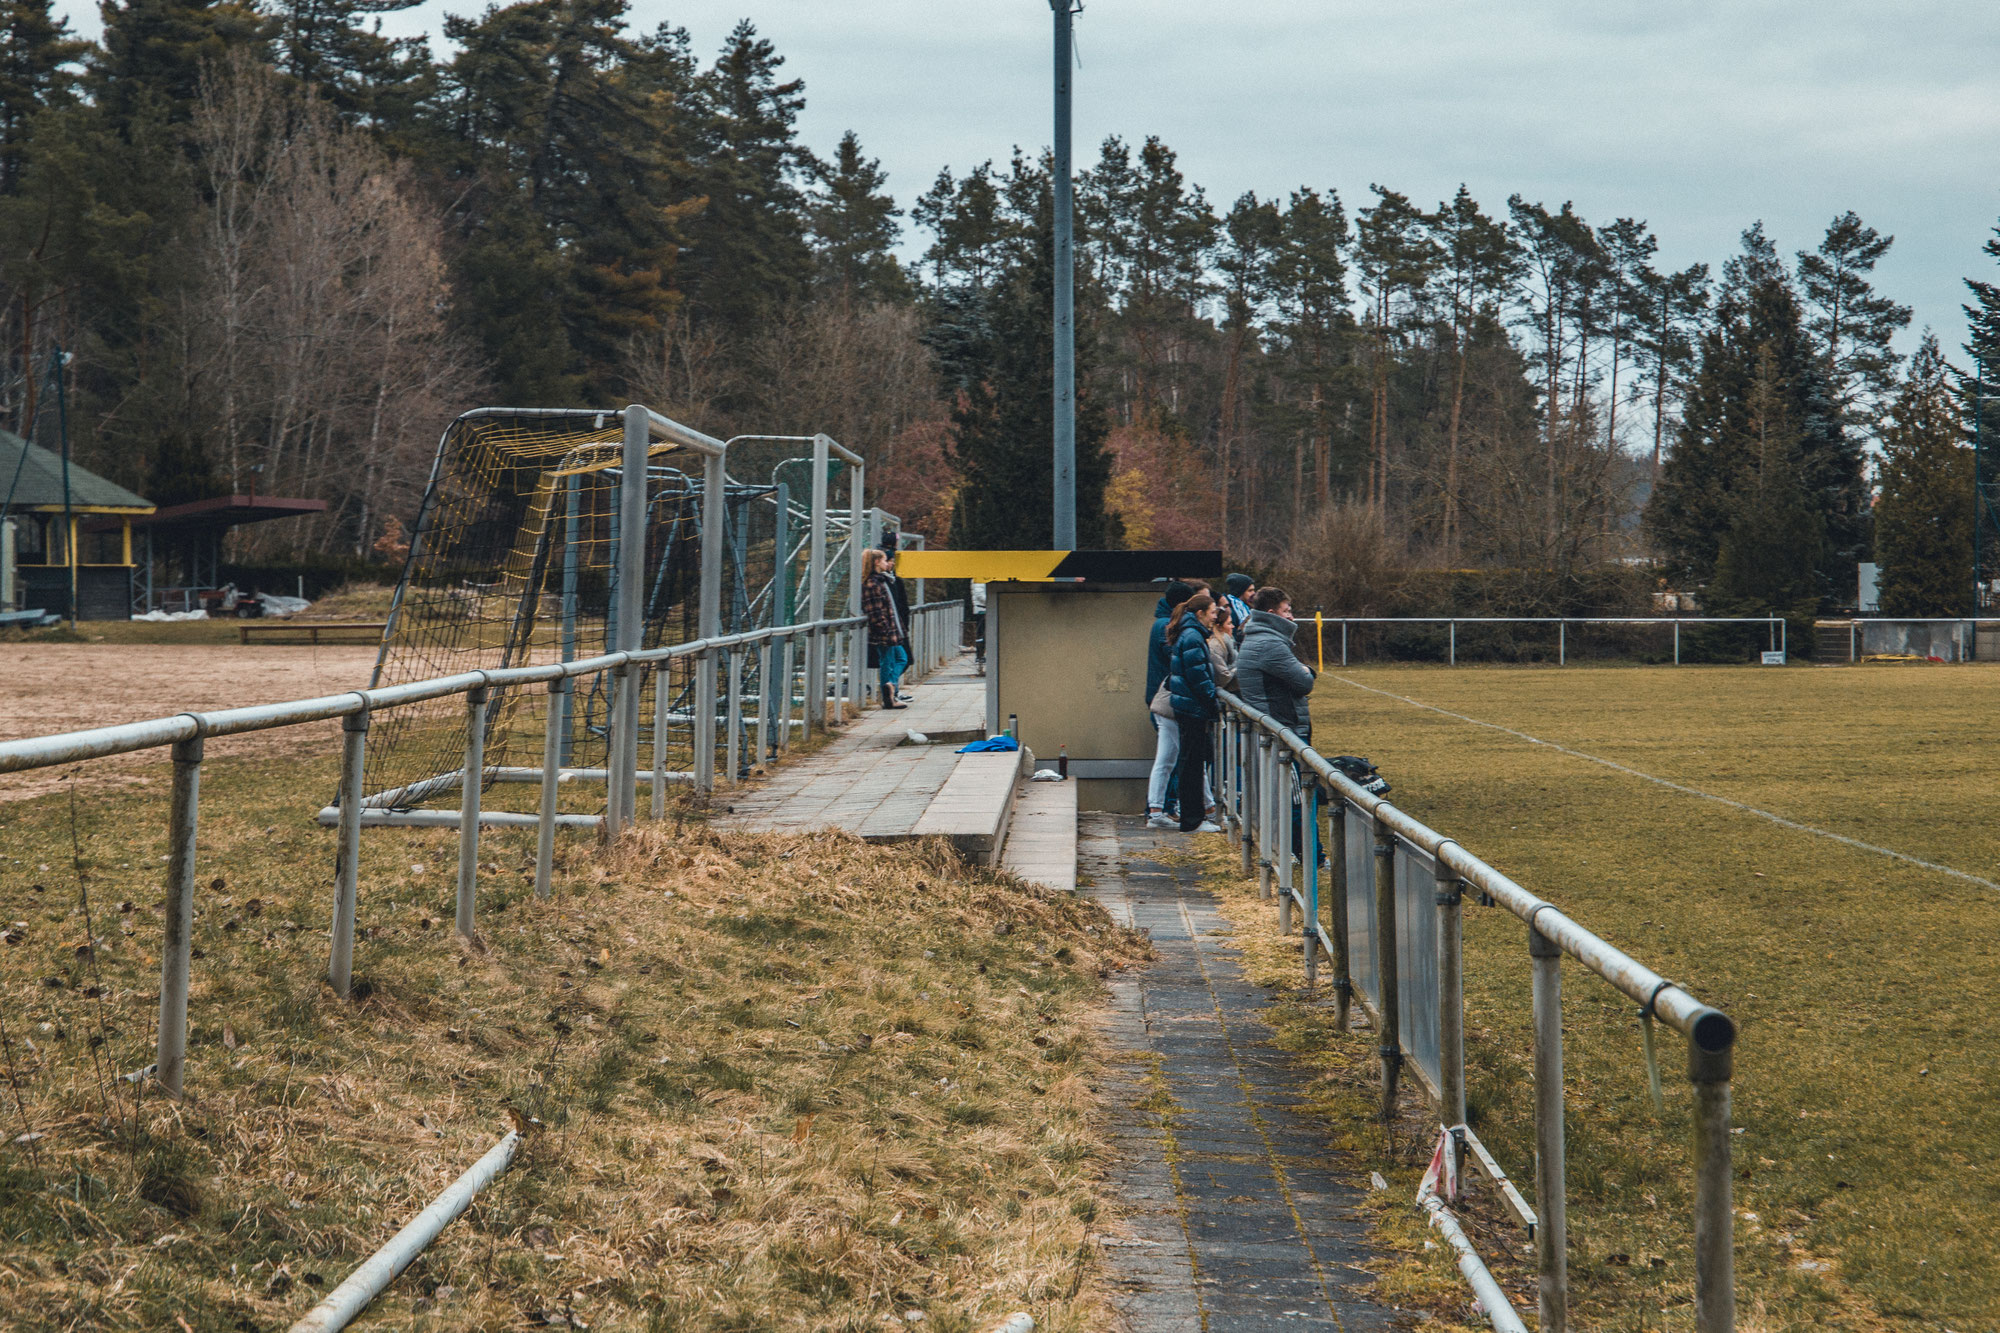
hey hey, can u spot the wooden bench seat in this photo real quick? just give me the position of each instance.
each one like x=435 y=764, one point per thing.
x=312 y=629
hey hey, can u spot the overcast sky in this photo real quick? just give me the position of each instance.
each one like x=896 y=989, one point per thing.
x=1699 y=116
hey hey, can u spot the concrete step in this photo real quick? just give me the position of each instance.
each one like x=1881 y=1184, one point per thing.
x=974 y=805
x=1041 y=841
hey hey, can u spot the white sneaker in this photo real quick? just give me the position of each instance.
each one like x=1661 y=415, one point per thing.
x=1161 y=819
x=1208 y=826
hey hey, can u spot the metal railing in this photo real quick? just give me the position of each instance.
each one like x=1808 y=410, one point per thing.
x=1774 y=625
x=839 y=645
x=1392 y=938
x=934 y=633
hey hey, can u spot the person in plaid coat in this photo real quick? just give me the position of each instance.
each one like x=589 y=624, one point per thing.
x=888 y=641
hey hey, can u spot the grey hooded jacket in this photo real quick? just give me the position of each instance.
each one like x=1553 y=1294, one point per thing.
x=1269 y=675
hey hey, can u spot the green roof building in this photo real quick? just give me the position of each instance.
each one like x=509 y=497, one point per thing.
x=89 y=556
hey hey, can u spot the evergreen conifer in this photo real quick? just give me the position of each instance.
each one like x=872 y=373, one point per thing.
x=1923 y=522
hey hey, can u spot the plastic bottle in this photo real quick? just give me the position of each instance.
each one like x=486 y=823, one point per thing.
x=1062 y=762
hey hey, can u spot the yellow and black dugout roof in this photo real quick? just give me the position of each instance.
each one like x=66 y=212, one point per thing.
x=1049 y=566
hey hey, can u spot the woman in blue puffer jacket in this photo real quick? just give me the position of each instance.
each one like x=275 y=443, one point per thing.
x=1191 y=686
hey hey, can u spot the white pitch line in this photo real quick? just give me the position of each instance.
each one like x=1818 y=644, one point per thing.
x=1855 y=843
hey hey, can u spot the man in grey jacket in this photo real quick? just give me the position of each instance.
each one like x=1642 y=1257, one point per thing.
x=1269 y=675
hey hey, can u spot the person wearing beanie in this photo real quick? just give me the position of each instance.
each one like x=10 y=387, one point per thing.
x=1241 y=588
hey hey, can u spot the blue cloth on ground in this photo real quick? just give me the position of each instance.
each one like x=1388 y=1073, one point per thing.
x=992 y=743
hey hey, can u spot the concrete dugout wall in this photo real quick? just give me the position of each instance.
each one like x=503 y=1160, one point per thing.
x=1069 y=661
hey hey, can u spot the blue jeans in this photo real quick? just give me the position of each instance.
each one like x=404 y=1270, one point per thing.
x=895 y=659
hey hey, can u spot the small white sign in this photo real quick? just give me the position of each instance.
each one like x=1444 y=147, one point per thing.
x=1774 y=659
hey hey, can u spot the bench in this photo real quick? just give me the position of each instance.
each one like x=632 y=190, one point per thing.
x=310 y=628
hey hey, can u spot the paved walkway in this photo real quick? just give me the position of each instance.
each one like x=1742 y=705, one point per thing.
x=866 y=780
x=1241 y=1217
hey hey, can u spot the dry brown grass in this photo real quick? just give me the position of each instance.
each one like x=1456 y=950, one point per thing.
x=773 y=1082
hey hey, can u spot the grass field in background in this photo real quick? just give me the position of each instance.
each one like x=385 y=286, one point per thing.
x=1864 y=987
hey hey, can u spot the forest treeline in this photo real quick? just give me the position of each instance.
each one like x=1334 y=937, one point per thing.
x=278 y=245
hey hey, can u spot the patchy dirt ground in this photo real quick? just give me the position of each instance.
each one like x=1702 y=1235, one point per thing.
x=50 y=687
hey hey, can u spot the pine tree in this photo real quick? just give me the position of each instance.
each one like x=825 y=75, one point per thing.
x=1923 y=522
x=854 y=224
x=1252 y=233
x=747 y=254
x=1315 y=334
x=1852 y=324
x=970 y=231
x=1982 y=344
x=1767 y=561
x=1395 y=257
x=154 y=51
x=324 y=45
x=1477 y=263
x=1692 y=509
x=38 y=58
x=1672 y=307
x=1002 y=420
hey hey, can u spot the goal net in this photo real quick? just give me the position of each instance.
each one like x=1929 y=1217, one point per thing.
x=513 y=562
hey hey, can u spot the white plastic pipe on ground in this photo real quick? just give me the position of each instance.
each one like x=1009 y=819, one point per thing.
x=365 y=1283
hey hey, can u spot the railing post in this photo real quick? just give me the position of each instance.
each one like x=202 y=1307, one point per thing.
x=663 y=696
x=1343 y=643
x=1227 y=777
x=704 y=721
x=1336 y=859
x=1388 y=980
x=347 y=855
x=1552 y=1228
x=552 y=749
x=177 y=948
x=1253 y=794
x=615 y=756
x=766 y=701
x=1288 y=795
x=469 y=786
x=1267 y=800
x=1714 y=1216
x=1450 y=897
x=815 y=658
x=734 y=760
x=1454 y=643
x=1677 y=643
x=784 y=695
x=1562 y=643
x=1309 y=818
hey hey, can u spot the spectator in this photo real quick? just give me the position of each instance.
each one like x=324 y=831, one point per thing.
x=1167 y=734
x=1241 y=588
x=1191 y=689
x=901 y=593
x=1222 y=650
x=1269 y=675
x=979 y=626
x=887 y=641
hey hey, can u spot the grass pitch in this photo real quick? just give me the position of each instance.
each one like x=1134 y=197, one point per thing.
x=1864 y=986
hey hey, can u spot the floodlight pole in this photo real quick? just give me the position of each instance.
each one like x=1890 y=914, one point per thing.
x=1065 y=274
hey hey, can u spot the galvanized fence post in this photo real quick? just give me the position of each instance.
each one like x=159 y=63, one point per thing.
x=1253 y=795
x=783 y=696
x=615 y=757
x=1267 y=801
x=1454 y=643
x=468 y=807
x=552 y=748
x=1288 y=795
x=1562 y=643
x=1677 y=643
x=1714 y=1215
x=176 y=950
x=766 y=701
x=814 y=657
x=347 y=854
x=1388 y=980
x=734 y=761
x=1450 y=897
x=1552 y=1226
x=704 y=721
x=1310 y=817
x=1336 y=860
x=663 y=695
